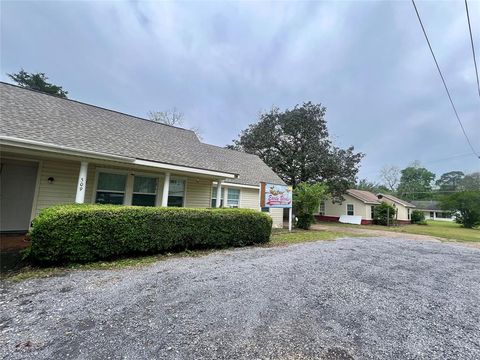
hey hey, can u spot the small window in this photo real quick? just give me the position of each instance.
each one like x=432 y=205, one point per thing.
x=372 y=212
x=111 y=188
x=233 y=198
x=265 y=209
x=144 y=191
x=176 y=193
x=321 y=210
x=214 y=197
x=432 y=214
x=350 y=209
x=408 y=214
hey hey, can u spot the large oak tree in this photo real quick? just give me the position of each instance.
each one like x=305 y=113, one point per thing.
x=296 y=145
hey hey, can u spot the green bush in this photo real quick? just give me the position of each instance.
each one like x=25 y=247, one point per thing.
x=306 y=200
x=384 y=214
x=82 y=233
x=418 y=217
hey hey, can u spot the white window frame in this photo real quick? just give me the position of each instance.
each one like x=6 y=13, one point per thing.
x=185 y=182
x=239 y=197
x=353 y=209
x=129 y=185
x=320 y=206
x=143 y=193
x=213 y=195
x=111 y=171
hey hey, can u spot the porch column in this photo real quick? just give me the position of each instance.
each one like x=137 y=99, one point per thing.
x=166 y=188
x=218 y=200
x=82 y=183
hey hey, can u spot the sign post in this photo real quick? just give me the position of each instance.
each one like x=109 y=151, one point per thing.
x=277 y=196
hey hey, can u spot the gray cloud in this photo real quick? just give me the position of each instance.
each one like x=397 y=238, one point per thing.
x=222 y=63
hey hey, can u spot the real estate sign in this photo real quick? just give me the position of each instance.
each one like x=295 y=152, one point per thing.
x=276 y=196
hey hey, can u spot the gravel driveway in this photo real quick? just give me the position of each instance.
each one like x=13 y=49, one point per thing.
x=382 y=298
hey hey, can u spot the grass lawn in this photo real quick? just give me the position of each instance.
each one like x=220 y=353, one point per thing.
x=440 y=229
x=443 y=229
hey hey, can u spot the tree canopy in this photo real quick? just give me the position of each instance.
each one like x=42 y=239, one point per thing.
x=415 y=183
x=465 y=205
x=450 y=181
x=295 y=144
x=37 y=81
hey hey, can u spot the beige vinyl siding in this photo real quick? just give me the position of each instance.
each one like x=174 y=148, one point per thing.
x=198 y=193
x=249 y=198
x=359 y=208
x=402 y=211
x=63 y=188
x=277 y=217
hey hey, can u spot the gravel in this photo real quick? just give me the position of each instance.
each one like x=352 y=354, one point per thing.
x=382 y=298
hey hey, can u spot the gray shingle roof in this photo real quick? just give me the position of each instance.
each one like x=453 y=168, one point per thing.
x=427 y=204
x=32 y=115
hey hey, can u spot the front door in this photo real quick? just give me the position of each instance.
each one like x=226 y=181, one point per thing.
x=17 y=189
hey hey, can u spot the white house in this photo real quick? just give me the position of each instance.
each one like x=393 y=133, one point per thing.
x=59 y=151
x=362 y=203
x=432 y=210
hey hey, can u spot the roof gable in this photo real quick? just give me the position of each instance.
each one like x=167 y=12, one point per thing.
x=365 y=196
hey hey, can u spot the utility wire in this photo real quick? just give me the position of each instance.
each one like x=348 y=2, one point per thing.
x=443 y=80
x=473 y=47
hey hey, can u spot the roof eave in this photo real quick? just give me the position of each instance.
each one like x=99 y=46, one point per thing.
x=42 y=146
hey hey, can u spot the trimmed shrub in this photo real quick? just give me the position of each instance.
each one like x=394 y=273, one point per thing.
x=418 y=217
x=82 y=233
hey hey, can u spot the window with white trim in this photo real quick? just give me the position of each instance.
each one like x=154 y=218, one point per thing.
x=321 y=210
x=111 y=188
x=350 y=209
x=144 y=191
x=233 y=198
x=214 y=197
x=176 y=193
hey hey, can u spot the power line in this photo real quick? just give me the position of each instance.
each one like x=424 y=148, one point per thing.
x=443 y=80
x=473 y=47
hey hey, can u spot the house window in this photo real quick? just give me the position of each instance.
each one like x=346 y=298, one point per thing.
x=432 y=214
x=176 y=193
x=233 y=198
x=144 y=191
x=372 y=212
x=350 y=209
x=321 y=210
x=111 y=188
x=408 y=214
x=214 y=197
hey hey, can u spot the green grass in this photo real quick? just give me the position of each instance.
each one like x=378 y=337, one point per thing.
x=443 y=229
x=439 y=229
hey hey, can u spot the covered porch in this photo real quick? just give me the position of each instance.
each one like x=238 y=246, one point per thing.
x=33 y=179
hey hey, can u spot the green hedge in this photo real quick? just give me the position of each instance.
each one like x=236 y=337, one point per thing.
x=82 y=233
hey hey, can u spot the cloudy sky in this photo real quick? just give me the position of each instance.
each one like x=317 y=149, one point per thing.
x=221 y=63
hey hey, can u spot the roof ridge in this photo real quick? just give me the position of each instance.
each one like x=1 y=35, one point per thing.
x=95 y=106
x=231 y=150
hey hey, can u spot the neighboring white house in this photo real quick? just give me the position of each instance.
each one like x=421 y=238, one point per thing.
x=432 y=210
x=357 y=203
x=59 y=151
x=361 y=203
